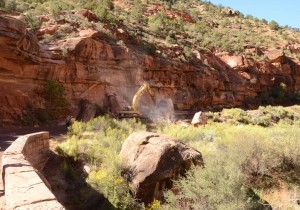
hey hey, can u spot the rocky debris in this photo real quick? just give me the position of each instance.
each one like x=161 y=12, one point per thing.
x=171 y=13
x=294 y=48
x=50 y=30
x=89 y=33
x=153 y=161
x=276 y=56
x=88 y=14
x=237 y=62
x=230 y=12
x=87 y=111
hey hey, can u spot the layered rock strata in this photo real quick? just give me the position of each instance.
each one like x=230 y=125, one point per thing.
x=109 y=75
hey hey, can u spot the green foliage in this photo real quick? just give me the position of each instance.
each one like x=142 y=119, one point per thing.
x=236 y=158
x=87 y=4
x=65 y=52
x=137 y=11
x=98 y=143
x=103 y=9
x=279 y=93
x=32 y=21
x=2 y=3
x=56 y=102
x=171 y=38
x=155 y=205
x=56 y=7
x=187 y=51
x=227 y=176
x=274 y=25
x=264 y=116
x=198 y=189
x=158 y=22
x=11 y=5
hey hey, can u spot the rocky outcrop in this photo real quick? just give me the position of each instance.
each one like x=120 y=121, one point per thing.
x=276 y=56
x=90 y=68
x=153 y=161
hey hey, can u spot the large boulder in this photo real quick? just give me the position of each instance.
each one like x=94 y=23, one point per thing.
x=276 y=56
x=154 y=160
x=87 y=111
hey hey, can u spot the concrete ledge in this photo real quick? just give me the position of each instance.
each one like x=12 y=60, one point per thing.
x=24 y=186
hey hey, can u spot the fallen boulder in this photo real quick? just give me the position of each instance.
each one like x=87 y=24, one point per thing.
x=153 y=161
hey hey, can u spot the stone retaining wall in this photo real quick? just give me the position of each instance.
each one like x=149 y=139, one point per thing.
x=24 y=186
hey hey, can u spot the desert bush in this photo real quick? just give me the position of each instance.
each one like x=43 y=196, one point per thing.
x=103 y=9
x=171 y=38
x=2 y=3
x=264 y=116
x=56 y=101
x=217 y=186
x=11 y=5
x=137 y=11
x=236 y=158
x=48 y=38
x=157 y=23
x=187 y=51
x=98 y=143
x=273 y=25
x=32 y=21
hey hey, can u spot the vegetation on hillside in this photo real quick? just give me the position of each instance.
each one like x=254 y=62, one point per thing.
x=173 y=29
x=245 y=161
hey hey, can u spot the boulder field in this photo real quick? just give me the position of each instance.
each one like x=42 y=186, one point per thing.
x=108 y=75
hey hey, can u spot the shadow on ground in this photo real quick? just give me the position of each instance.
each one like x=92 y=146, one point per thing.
x=67 y=180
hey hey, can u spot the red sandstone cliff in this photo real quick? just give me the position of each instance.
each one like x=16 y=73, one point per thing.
x=107 y=74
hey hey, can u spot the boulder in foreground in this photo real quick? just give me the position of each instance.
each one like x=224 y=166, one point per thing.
x=154 y=160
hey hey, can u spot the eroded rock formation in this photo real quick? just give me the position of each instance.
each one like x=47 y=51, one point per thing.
x=90 y=68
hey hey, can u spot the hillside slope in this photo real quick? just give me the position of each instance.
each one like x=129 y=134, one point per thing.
x=105 y=57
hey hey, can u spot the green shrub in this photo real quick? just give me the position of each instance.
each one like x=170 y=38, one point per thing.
x=217 y=186
x=2 y=3
x=98 y=143
x=137 y=11
x=11 y=5
x=103 y=8
x=32 y=21
x=170 y=39
x=274 y=25
x=236 y=159
x=187 y=51
x=56 y=102
x=157 y=23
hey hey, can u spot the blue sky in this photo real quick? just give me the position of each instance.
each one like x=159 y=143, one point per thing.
x=285 y=12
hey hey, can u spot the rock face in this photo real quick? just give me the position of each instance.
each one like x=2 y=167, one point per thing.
x=91 y=68
x=154 y=161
